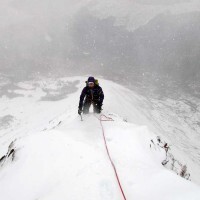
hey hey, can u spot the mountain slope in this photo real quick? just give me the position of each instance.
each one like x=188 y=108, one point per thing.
x=65 y=158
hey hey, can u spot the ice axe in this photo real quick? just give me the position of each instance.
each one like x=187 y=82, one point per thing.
x=80 y=113
x=81 y=117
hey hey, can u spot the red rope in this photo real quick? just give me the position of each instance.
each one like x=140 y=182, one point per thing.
x=108 y=153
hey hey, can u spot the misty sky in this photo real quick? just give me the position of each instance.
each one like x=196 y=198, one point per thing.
x=139 y=39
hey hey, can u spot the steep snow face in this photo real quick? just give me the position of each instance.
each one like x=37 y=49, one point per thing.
x=58 y=156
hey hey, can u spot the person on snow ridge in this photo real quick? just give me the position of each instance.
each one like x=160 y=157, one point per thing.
x=91 y=94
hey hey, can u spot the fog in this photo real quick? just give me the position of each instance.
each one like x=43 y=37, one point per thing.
x=139 y=43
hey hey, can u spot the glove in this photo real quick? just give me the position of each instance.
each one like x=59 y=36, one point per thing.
x=99 y=109
x=79 y=111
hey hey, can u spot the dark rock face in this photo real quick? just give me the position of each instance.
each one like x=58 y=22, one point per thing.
x=163 y=53
x=10 y=155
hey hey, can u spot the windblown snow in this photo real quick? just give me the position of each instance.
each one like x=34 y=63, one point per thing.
x=48 y=153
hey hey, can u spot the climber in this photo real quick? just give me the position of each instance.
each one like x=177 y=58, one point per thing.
x=92 y=94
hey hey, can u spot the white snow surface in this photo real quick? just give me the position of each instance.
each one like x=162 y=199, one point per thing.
x=68 y=160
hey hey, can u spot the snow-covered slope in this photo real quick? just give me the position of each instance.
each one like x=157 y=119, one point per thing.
x=57 y=156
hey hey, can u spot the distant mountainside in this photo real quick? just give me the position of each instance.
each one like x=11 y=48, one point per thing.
x=161 y=55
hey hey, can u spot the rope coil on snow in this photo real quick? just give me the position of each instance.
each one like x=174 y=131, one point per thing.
x=108 y=153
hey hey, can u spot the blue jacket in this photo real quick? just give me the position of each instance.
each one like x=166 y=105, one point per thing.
x=95 y=95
